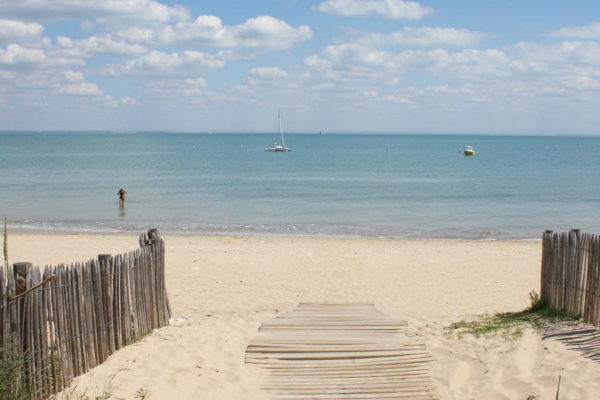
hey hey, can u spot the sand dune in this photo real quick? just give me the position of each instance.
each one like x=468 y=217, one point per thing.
x=222 y=288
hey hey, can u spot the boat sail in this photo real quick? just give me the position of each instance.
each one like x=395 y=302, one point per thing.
x=279 y=145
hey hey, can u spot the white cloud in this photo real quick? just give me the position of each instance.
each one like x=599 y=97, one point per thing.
x=81 y=89
x=105 y=11
x=351 y=62
x=188 y=62
x=581 y=82
x=469 y=64
x=72 y=76
x=97 y=45
x=161 y=85
x=567 y=54
x=359 y=56
x=591 y=31
x=317 y=63
x=38 y=85
x=273 y=77
x=15 y=30
x=425 y=37
x=130 y=101
x=392 y=98
x=35 y=69
x=266 y=31
x=208 y=30
x=162 y=51
x=123 y=101
x=14 y=54
x=395 y=9
x=515 y=76
x=137 y=34
x=268 y=72
x=168 y=89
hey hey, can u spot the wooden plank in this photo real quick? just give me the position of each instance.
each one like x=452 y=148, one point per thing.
x=340 y=351
x=379 y=368
x=358 y=396
x=308 y=347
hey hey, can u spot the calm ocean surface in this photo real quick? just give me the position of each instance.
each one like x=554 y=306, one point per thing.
x=330 y=185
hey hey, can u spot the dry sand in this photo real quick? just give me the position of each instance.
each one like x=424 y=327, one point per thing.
x=222 y=288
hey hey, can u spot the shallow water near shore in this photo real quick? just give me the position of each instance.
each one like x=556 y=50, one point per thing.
x=329 y=185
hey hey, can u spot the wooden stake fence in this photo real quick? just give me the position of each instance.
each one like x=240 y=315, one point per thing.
x=571 y=273
x=80 y=314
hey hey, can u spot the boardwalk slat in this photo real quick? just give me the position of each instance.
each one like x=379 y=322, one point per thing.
x=340 y=351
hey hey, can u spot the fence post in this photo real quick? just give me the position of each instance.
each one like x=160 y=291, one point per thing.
x=546 y=266
x=152 y=236
x=104 y=258
x=21 y=268
x=23 y=319
x=106 y=282
x=20 y=271
x=153 y=233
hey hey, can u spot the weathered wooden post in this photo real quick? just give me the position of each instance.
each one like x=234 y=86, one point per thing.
x=152 y=236
x=153 y=233
x=20 y=271
x=21 y=268
x=546 y=266
x=104 y=258
x=578 y=269
x=107 y=287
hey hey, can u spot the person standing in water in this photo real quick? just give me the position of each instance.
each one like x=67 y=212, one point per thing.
x=122 y=196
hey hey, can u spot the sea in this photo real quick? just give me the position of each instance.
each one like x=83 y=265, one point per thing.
x=331 y=185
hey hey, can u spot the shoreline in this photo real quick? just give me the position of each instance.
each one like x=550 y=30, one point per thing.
x=18 y=231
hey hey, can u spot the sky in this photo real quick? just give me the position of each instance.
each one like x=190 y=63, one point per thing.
x=394 y=66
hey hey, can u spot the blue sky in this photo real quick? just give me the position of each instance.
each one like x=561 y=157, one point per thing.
x=514 y=67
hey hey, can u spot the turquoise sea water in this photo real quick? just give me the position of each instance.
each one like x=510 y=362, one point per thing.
x=331 y=185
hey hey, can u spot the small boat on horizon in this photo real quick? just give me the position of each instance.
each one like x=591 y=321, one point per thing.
x=279 y=145
x=469 y=151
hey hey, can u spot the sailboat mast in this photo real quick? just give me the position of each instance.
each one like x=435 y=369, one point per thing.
x=280 y=131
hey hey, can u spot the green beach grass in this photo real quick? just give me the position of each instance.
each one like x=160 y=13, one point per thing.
x=511 y=324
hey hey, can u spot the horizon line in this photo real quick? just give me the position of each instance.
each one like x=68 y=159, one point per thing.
x=311 y=133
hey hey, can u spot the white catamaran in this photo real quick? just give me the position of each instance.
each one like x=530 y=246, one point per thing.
x=280 y=144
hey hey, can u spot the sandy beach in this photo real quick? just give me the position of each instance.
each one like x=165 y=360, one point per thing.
x=222 y=288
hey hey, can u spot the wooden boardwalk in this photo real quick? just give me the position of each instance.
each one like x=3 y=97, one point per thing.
x=340 y=351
